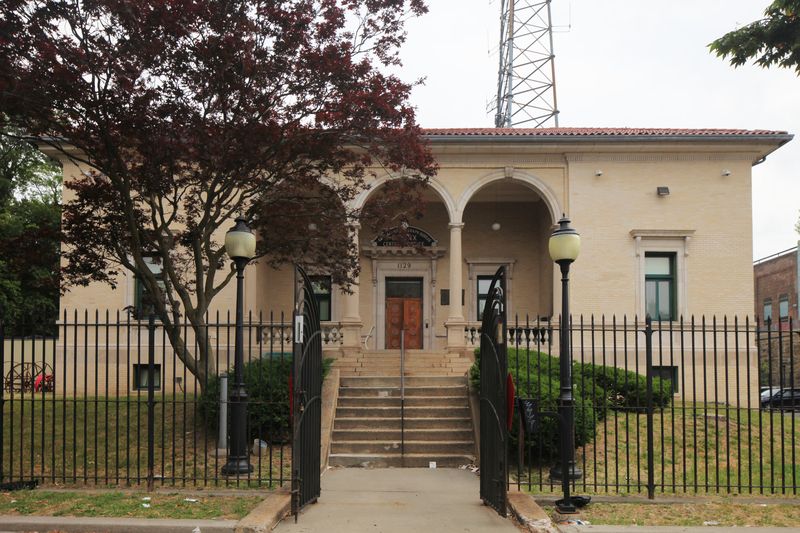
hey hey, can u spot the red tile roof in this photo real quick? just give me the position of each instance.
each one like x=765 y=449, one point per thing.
x=596 y=132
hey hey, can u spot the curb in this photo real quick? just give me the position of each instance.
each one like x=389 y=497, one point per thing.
x=266 y=515
x=70 y=524
x=529 y=514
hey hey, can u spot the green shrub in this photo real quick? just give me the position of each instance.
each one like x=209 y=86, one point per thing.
x=267 y=384
x=596 y=390
x=623 y=389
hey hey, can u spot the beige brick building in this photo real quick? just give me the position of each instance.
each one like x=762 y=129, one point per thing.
x=664 y=216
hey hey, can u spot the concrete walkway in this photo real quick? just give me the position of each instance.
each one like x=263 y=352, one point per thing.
x=416 y=500
x=671 y=529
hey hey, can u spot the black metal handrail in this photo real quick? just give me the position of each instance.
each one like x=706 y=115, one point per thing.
x=403 y=397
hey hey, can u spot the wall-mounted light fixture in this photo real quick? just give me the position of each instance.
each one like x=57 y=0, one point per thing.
x=726 y=172
x=598 y=172
x=662 y=191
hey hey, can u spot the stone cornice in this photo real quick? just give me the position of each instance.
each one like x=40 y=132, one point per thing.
x=559 y=160
x=661 y=157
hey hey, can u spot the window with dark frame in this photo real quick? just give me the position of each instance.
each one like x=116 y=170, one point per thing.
x=667 y=373
x=660 y=285
x=322 y=293
x=483 y=285
x=140 y=375
x=767 y=310
x=783 y=307
x=144 y=299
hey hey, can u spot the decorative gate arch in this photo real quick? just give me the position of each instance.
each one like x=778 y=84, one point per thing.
x=494 y=369
x=306 y=395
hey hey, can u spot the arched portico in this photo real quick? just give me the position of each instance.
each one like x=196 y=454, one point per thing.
x=444 y=195
x=536 y=184
x=465 y=251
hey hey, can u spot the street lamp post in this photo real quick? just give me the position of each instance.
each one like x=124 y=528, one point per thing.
x=240 y=244
x=564 y=246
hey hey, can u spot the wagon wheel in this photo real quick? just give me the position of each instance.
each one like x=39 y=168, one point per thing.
x=18 y=378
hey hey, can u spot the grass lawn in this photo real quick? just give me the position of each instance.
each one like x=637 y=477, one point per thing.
x=100 y=441
x=725 y=514
x=131 y=505
x=698 y=448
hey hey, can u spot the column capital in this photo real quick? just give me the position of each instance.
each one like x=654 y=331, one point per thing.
x=455 y=225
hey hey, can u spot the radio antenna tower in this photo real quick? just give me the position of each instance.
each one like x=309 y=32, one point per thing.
x=526 y=82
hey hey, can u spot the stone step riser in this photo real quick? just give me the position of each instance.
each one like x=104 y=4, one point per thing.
x=372 y=434
x=435 y=362
x=421 y=374
x=394 y=381
x=391 y=369
x=394 y=423
x=436 y=448
x=410 y=412
x=410 y=401
x=396 y=461
x=392 y=392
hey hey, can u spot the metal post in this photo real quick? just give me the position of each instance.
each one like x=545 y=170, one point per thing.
x=222 y=439
x=151 y=400
x=648 y=334
x=238 y=458
x=566 y=471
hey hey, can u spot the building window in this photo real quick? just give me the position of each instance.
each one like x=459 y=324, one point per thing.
x=484 y=283
x=140 y=375
x=322 y=293
x=767 y=310
x=783 y=307
x=667 y=373
x=144 y=299
x=659 y=285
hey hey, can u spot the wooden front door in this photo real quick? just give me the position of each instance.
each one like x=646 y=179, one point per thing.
x=404 y=312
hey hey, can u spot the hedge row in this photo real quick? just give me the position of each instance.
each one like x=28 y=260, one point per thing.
x=267 y=384
x=596 y=390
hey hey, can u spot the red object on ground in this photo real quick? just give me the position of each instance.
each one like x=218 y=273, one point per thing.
x=37 y=383
x=510 y=392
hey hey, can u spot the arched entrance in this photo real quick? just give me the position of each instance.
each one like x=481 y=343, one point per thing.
x=507 y=223
x=404 y=262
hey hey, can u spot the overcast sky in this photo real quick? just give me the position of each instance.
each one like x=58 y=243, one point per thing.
x=623 y=63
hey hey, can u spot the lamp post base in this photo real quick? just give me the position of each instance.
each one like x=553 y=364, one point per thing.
x=573 y=474
x=236 y=466
x=566 y=506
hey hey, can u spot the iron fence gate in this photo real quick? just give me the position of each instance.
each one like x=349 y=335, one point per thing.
x=306 y=395
x=493 y=408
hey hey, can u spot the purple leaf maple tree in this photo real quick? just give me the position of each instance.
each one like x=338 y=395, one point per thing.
x=182 y=114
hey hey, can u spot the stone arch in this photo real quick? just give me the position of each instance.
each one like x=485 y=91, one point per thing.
x=361 y=200
x=531 y=181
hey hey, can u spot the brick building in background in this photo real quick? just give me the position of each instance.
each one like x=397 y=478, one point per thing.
x=776 y=299
x=776 y=288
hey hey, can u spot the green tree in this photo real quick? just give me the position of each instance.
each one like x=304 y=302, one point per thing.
x=772 y=40
x=30 y=213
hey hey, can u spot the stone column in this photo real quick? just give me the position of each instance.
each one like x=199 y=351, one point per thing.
x=455 y=319
x=351 y=321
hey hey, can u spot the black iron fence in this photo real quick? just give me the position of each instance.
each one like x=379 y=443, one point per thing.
x=109 y=401
x=719 y=416
x=714 y=417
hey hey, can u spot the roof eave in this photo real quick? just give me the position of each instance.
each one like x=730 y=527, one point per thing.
x=780 y=139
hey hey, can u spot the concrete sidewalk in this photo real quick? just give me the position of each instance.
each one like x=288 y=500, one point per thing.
x=69 y=524
x=416 y=500
x=671 y=529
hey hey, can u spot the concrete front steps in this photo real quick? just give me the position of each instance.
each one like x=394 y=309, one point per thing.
x=417 y=363
x=437 y=421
